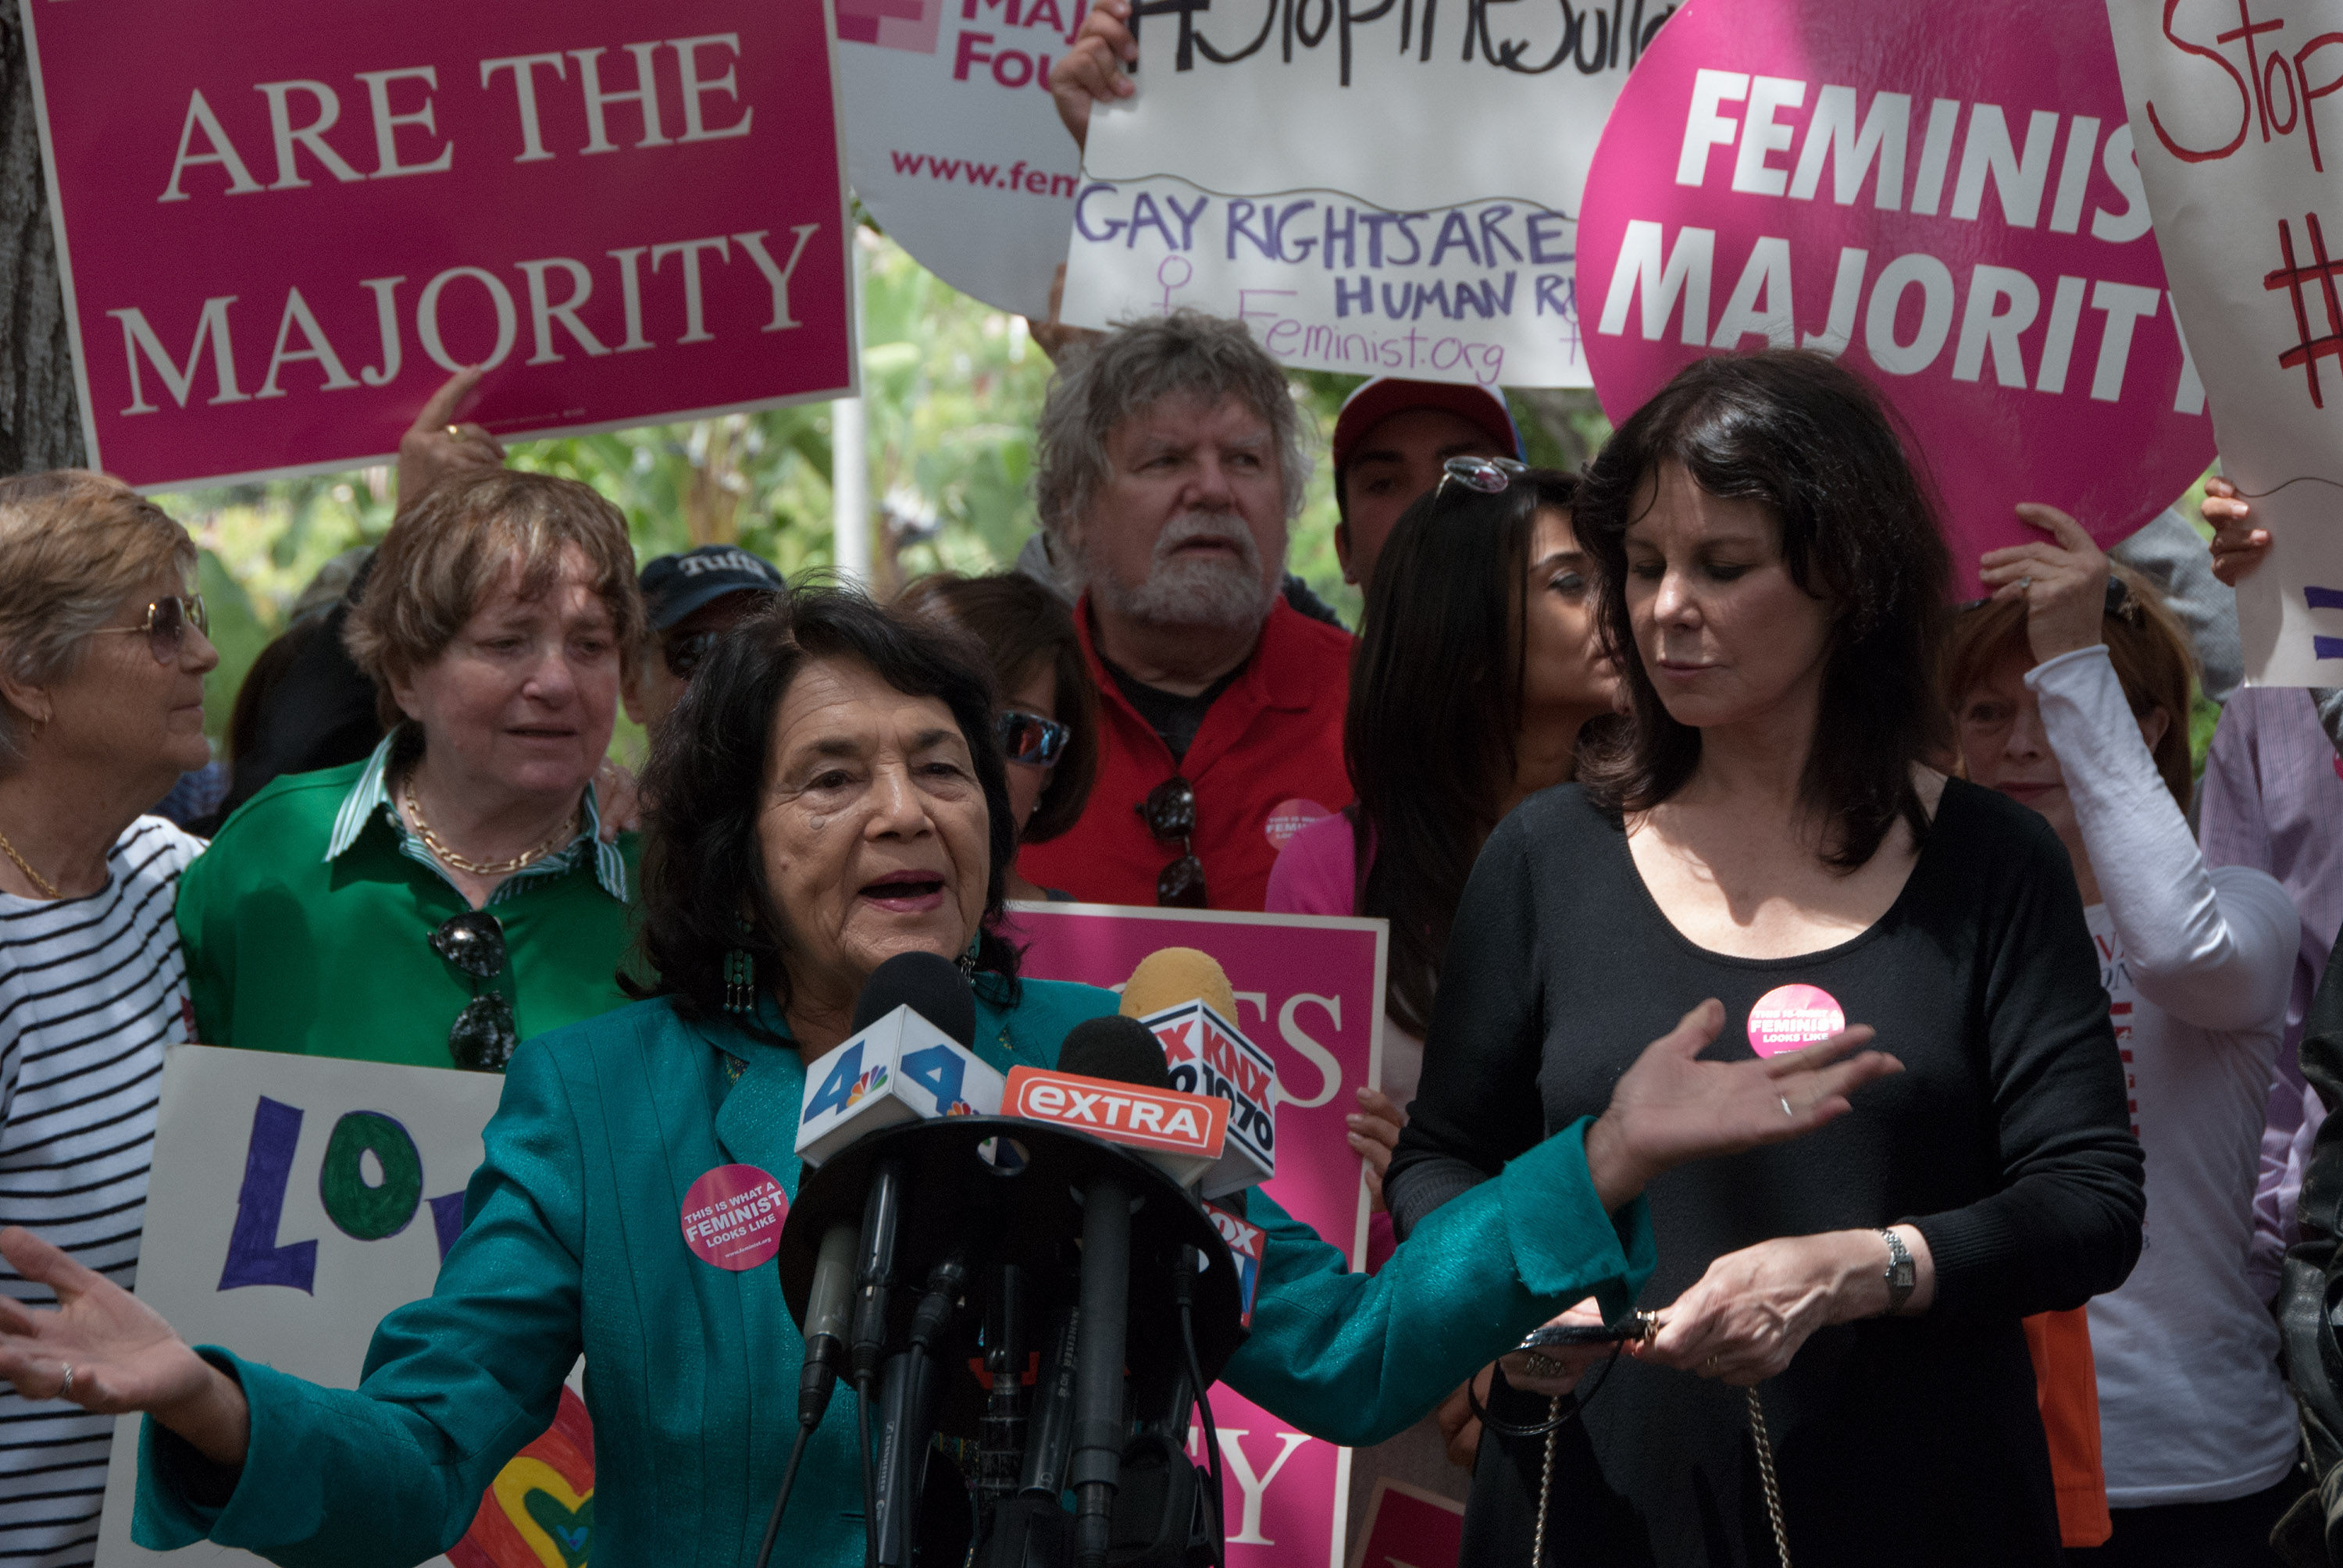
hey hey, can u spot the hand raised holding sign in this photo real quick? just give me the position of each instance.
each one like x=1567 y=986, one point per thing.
x=2237 y=547
x=1091 y=72
x=2064 y=585
x=435 y=447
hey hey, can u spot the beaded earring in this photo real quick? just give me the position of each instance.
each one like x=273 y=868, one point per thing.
x=968 y=959
x=740 y=977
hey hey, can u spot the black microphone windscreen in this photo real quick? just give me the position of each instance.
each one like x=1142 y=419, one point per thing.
x=927 y=985
x=1121 y=1049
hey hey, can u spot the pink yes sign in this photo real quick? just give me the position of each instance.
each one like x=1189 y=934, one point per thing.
x=1310 y=991
x=282 y=225
x=1942 y=196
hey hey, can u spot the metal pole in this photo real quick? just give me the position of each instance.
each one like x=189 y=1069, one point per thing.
x=849 y=467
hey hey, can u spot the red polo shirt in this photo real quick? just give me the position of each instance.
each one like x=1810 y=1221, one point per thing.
x=1267 y=761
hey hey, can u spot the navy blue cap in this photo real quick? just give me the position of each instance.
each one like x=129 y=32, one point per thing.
x=675 y=586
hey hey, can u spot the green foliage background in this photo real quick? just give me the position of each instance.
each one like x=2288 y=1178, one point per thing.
x=953 y=388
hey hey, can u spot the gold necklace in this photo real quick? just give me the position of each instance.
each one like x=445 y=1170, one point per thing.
x=446 y=856
x=48 y=888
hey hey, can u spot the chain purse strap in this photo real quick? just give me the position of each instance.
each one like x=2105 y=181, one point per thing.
x=1766 y=1475
x=1757 y=1436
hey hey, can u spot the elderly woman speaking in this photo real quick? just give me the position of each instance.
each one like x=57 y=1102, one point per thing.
x=451 y=893
x=825 y=797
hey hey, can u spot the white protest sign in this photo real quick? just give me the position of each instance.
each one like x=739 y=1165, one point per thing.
x=951 y=140
x=295 y=1200
x=1381 y=190
x=1401 y=105
x=1481 y=295
x=2228 y=103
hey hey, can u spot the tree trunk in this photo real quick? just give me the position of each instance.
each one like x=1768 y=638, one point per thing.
x=40 y=426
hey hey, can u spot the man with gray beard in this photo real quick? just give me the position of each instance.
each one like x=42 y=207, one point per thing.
x=1171 y=464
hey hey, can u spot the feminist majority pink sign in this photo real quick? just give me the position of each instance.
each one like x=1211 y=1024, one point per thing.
x=282 y=225
x=1943 y=195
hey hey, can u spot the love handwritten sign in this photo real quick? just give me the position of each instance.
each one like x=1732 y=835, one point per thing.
x=296 y=1201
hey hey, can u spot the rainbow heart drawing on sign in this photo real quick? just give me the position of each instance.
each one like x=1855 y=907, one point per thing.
x=539 y=1513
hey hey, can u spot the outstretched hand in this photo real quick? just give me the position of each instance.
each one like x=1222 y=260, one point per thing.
x=1671 y=1107
x=106 y=1351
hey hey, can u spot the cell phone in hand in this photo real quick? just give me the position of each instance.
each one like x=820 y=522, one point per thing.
x=1633 y=1326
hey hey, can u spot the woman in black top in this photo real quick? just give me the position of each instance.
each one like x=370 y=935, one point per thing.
x=1773 y=583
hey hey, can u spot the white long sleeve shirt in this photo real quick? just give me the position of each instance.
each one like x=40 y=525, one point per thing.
x=2196 y=964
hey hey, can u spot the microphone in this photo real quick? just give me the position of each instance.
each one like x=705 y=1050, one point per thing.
x=1124 y=1069
x=1183 y=996
x=1118 y=1047
x=908 y=1058
x=826 y=1315
x=1169 y=976
x=1110 y=1081
x=901 y=1019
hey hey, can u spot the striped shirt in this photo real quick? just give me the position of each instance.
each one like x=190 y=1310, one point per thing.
x=90 y=991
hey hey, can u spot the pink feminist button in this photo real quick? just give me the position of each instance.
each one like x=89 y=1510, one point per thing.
x=1791 y=1016
x=732 y=1217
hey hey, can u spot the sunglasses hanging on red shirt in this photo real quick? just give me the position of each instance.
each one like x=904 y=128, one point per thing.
x=1170 y=813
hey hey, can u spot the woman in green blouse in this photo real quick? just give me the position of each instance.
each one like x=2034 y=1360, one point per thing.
x=826 y=798
x=453 y=893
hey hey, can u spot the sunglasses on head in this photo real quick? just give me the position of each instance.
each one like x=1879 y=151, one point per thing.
x=682 y=654
x=483 y=1036
x=1490 y=476
x=167 y=624
x=1170 y=813
x=1029 y=738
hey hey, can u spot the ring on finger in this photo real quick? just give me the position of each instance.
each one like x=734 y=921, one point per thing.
x=1540 y=1365
x=1786 y=1105
x=66 y=1391
x=2025 y=583
x=1710 y=1364
x=456 y=431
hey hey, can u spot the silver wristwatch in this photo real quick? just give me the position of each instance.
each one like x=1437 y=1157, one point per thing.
x=1901 y=1275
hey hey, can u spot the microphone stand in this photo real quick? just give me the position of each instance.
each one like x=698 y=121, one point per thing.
x=1098 y=1419
x=914 y=1385
x=1000 y=1439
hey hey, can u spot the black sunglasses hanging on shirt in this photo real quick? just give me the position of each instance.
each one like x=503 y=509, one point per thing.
x=484 y=1035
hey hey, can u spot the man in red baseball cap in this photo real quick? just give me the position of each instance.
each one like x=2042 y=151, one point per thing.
x=1390 y=441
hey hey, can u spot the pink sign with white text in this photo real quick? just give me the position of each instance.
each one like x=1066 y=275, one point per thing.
x=283 y=226
x=1942 y=196
x=1309 y=992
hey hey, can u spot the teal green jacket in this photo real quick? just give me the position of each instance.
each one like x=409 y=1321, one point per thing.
x=573 y=1242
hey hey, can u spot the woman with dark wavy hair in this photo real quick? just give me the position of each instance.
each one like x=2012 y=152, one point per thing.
x=1769 y=836
x=824 y=799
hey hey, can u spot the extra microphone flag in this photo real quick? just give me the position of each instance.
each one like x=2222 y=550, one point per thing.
x=1182 y=1135
x=901 y=1068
